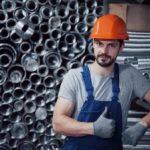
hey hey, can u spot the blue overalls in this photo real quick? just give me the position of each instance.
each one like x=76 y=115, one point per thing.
x=91 y=110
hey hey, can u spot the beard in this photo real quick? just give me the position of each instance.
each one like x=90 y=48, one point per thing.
x=104 y=60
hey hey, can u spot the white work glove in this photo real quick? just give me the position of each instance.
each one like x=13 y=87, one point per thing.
x=104 y=127
x=133 y=134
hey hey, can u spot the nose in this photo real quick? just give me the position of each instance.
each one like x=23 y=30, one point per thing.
x=104 y=49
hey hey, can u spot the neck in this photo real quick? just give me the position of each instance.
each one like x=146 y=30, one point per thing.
x=105 y=71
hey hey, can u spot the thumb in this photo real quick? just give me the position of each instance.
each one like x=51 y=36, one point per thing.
x=104 y=113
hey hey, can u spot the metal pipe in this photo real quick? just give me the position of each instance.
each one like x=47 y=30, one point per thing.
x=49 y=81
x=62 y=47
x=59 y=73
x=26 y=84
x=4 y=33
x=89 y=19
x=82 y=10
x=35 y=79
x=39 y=126
x=8 y=86
x=81 y=28
x=62 y=11
x=73 y=19
x=50 y=96
x=30 y=96
x=3 y=75
x=98 y=11
x=22 y=128
x=29 y=106
x=24 y=30
x=7 y=98
x=65 y=27
x=18 y=93
x=44 y=28
x=42 y=2
x=87 y=59
x=40 y=89
x=10 y=23
x=70 y=38
x=5 y=147
x=41 y=113
x=31 y=5
x=46 y=11
x=29 y=119
x=54 y=3
x=3 y=16
x=8 y=5
x=73 y=5
x=43 y=70
x=10 y=50
x=39 y=49
x=35 y=19
x=5 y=60
x=50 y=45
x=56 y=34
x=33 y=136
x=15 y=117
x=16 y=73
x=26 y=145
x=54 y=21
x=6 y=123
x=40 y=101
x=25 y=47
x=14 y=37
x=52 y=60
x=36 y=37
x=30 y=61
x=18 y=105
x=73 y=64
x=20 y=14
x=6 y=109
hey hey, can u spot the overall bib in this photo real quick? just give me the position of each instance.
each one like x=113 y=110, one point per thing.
x=90 y=112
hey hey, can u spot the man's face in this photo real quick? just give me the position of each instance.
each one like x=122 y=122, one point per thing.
x=106 y=51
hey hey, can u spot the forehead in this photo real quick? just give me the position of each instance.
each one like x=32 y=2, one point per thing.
x=107 y=41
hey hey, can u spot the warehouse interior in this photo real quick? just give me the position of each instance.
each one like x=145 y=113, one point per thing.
x=40 y=41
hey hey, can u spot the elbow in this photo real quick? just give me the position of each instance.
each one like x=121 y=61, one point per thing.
x=56 y=127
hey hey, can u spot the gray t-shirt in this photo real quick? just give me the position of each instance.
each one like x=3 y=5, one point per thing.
x=132 y=84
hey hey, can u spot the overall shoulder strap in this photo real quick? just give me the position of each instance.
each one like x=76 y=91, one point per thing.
x=115 y=83
x=87 y=81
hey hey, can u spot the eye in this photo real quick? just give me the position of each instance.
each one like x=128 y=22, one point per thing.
x=113 y=45
x=98 y=43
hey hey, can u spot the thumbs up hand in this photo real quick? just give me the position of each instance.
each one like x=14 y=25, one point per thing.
x=103 y=126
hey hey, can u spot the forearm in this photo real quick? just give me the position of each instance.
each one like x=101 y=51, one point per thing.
x=146 y=120
x=71 y=127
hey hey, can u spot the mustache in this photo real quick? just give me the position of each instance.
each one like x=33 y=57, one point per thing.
x=103 y=55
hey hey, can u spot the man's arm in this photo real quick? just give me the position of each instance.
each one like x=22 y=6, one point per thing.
x=64 y=124
x=133 y=134
x=146 y=119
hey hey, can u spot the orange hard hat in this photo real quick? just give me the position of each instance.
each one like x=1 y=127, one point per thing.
x=109 y=26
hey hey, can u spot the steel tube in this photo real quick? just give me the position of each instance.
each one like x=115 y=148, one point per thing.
x=31 y=5
x=4 y=33
x=43 y=70
x=25 y=47
x=10 y=23
x=5 y=60
x=8 y=5
x=46 y=11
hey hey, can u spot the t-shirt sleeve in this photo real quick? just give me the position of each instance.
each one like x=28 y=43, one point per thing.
x=67 y=88
x=140 y=84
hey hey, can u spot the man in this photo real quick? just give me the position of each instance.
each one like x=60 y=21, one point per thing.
x=93 y=100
